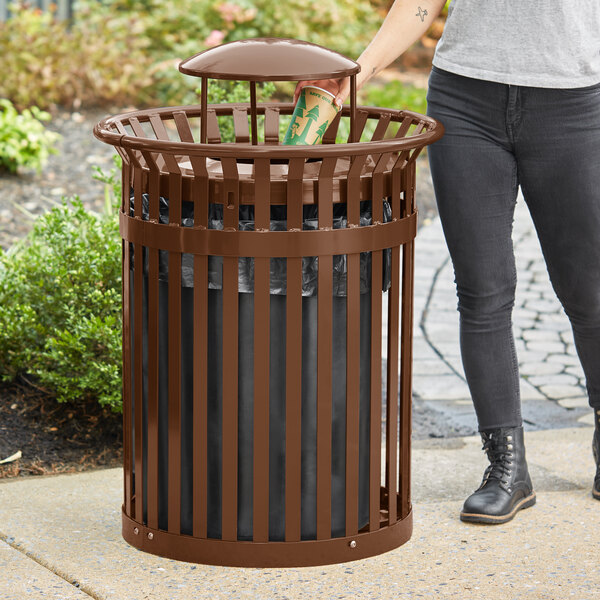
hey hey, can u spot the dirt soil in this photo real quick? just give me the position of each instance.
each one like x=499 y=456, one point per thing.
x=55 y=438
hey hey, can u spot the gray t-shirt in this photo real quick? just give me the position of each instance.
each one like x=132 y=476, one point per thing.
x=537 y=43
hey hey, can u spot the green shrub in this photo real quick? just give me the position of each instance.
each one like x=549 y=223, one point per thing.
x=192 y=25
x=346 y=26
x=60 y=306
x=124 y=52
x=45 y=62
x=24 y=141
x=175 y=31
x=398 y=95
x=112 y=184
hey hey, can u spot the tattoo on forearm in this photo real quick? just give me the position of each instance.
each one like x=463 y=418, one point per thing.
x=422 y=14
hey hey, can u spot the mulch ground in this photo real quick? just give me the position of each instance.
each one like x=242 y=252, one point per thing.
x=55 y=437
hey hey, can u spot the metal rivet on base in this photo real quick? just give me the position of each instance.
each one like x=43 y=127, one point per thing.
x=150 y=536
x=136 y=530
x=352 y=544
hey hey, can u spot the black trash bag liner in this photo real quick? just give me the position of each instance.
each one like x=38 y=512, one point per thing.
x=216 y=367
x=278 y=275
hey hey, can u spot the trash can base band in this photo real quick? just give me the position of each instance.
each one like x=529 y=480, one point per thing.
x=267 y=244
x=305 y=553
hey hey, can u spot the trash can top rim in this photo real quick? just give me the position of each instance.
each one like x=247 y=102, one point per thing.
x=105 y=131
x=268 y=151
x=269 y=59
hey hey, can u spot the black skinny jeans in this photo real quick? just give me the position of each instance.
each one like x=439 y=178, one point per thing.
x=547 y=141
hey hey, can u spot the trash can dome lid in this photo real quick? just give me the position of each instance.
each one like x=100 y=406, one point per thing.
x=269 y=59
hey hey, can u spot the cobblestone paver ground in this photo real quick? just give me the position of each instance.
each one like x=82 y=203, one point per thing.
x=552 y=382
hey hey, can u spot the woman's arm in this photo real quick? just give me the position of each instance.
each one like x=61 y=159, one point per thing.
x=405 y=23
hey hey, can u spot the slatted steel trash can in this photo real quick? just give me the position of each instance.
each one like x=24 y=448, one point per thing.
x=266 y=411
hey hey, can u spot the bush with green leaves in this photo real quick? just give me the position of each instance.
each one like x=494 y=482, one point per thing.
x=24 y=141
x=397 y=95
x=175 y=31
x=124 y=52
x=193 y=25
x=60 y=306
x=346 y=26
x=48 y=62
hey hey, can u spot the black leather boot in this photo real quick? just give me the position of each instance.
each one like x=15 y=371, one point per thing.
x=596 y=450
x=506 y=487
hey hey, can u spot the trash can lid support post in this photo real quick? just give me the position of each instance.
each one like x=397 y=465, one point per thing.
x=353 y=108
x=253 y=117
x=204 y=110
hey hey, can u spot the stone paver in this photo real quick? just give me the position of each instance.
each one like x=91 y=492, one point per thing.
x=549 y=367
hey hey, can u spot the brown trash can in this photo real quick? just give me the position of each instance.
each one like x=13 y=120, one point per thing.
x=266 y=414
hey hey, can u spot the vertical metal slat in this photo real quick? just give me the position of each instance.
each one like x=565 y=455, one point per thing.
x=174 y=337
x=404 y=127
x=331 y=132
x=132 y=429
x=212 y=127
x=200 y=193
x=293 y=359
x=174 y=362
x=414 y=154
x=230 y=356
x=271 y=125
x=382 y=126
x=376 y=324
x=138 y=348
x=153 y=357
x=240 y=125
x=124 y=154
x=153 y=360
x=392 y=368
x=406 y=347
x=324 y=355
x=353 y=353
x=361 y=121
x=261 y=357
x=127 y=439
x=200 y=427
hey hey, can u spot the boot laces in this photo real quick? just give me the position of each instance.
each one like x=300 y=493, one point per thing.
x=500 y=456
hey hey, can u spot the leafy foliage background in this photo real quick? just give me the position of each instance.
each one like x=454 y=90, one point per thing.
x=60 y=305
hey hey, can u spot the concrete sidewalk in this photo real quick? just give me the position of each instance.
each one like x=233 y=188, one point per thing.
x=60 y=536
x=61 y=540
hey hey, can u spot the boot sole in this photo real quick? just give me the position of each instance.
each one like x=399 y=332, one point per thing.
x=499 y=519
x=596 y=493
